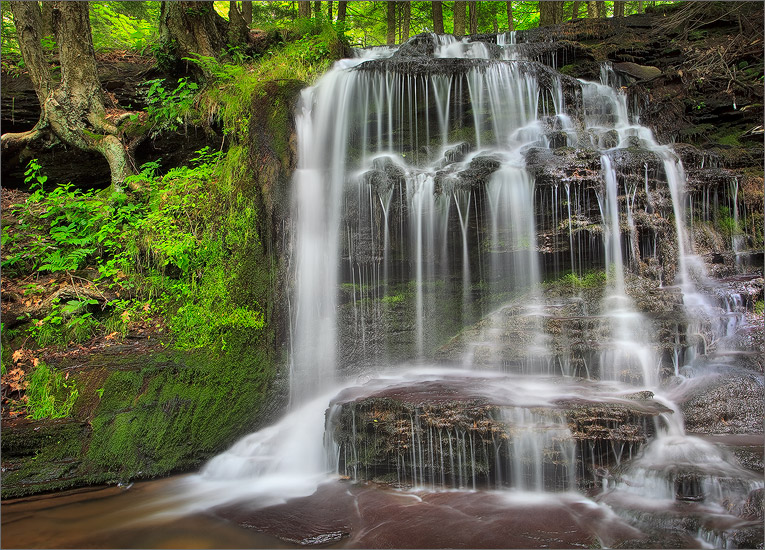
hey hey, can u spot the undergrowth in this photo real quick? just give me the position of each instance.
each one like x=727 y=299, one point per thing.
x=49 y=393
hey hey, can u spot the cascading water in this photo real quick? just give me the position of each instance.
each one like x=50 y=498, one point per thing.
x=418 y=216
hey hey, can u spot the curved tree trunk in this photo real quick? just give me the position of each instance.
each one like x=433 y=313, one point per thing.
x=238 y=30
x=438 y=18
x=74 y=111
x=195 y=28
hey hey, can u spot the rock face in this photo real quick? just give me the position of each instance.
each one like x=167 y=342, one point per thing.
x=451 y=433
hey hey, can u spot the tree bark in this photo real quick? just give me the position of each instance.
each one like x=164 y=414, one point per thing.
x=459 y=18
x=238 y=30
x=317 y=8
x=438 y=18
x=640 y=7
x=341 y=7
x=473 y=9
x=575 y=10
x=72 y=112
x=304 y=8
x=247 y=12
x=406 y=14
x=193 y=27
x=29 y=28
x=510 y=21
x=391 y=21
x=329 y=10
x=601 y=7
x=619 y=9
x=550 y=13
x=592 y=9
x=47 y=18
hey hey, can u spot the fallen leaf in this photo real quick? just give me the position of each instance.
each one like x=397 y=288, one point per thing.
x=18 y=355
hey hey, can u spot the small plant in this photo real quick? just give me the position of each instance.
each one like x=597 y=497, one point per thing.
x=167 y=109
x=759 y=307
x=49 y=394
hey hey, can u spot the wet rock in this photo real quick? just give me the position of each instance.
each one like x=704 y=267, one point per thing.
x=322 y=518
x=726 y=405
x=477 y=173
x=421 y=45
x=385 y=174
x=640 y=72
x=452 y=433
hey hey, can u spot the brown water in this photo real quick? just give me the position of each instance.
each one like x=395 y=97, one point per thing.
x=339 y=514
x=113 y=517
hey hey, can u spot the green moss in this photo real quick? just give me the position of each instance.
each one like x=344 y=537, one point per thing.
x=170 y=417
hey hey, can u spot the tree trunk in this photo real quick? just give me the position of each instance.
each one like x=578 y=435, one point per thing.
x=329 y=10
x=72 y=112
x=575 y=10
x=592 y=9
x=193 y=27
x=47 y=18
x=550 y=13
x=438 y=18
x=406 y=15
x=29 y=28
x=618 y=9
x=473 y=7
x=304 y=8
x=247 y=12
x=640 y=7
x=317 y=9
x=238 y=31
x=341 y=7
x=601 y=8
x=510 y=21
x=391 y=35
x=459 y=18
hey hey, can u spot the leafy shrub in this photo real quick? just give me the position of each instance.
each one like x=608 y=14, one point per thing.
x=168 y=109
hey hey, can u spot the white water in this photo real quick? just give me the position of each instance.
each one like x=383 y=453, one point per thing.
x=381 y=179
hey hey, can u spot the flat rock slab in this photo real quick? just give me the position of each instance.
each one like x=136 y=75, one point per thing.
x=370 y=516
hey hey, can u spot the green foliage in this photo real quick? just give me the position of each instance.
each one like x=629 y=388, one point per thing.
x=759 y=307
x=169 y=109
x=123 y=25
x=393 y=299
x=727 y=223
x=589 y=280
x=49 y=394
x=61 y=229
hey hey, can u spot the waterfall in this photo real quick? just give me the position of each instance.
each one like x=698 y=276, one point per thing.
x=427 y=234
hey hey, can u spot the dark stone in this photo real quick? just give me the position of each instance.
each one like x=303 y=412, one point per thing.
x=641 y=72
